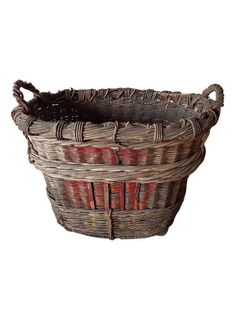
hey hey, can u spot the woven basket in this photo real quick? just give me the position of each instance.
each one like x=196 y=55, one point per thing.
x=116 y=161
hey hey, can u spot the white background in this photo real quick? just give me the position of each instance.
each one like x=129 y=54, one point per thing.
x=174 y=45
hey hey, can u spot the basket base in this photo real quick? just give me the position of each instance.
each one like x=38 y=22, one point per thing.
x=127 y=224
x=159 y=233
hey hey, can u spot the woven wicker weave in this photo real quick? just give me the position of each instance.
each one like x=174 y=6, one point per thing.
x=116 y=161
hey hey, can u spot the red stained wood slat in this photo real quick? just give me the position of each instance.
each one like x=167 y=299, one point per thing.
x=150 y=187
x=71 y=193
x=67 y=152
x=115 y=201
x=129 y=195
x=82 y=185
x=122 y=196
x=130 y=187
x=106 y=197
x=128 y=156
x=99 y=194
x=106 y=155
x=66 y=186
x=145 y=156
x=83 y=193
x=115 y=187
x=90 y=194
x=136 y=193
x=93 y=155
x=75 y=190
x=73 y=153
x=109 y=156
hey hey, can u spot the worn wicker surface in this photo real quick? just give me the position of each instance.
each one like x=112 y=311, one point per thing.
x=116 y=161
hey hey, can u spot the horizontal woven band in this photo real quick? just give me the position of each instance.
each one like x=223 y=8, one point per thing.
x=118 y=173
x=114 y=223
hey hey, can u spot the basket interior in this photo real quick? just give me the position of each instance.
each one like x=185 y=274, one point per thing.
x=99 y=110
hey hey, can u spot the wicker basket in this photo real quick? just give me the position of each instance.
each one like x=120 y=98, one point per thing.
x=116 y=161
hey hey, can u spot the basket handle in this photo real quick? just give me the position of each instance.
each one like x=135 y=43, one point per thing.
x=219 y=101
x=17 y=93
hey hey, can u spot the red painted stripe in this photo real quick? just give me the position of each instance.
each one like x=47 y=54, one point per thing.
x=150 y=187
x=66 y=192
x=106 y=197
x=99 y=201
x=129 y=195
x=122 y=196
x=144 y=156
x=115 y=187
x=83 y=193
x=130 y=187
x=97 y=158
x=82 y=185
x=115 y=201
x=92 y=154
x=75 y=190
x=90 y=194
x=109 y=156
x=129 y=156
x=74 y=153
x=66 y=152
x=136 y=194
x=99 y=195
x=106 y=155
x=98 y=188
x=79 y=154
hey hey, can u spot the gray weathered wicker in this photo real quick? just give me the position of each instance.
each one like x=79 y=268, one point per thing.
x=116 y=161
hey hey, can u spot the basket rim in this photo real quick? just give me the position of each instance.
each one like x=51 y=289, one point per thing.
x=204 y=111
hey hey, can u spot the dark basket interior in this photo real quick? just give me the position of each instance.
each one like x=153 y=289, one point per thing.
x=60 y=106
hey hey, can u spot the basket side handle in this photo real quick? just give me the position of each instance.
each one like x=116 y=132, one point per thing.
x=219 y=101
x=17 y=93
